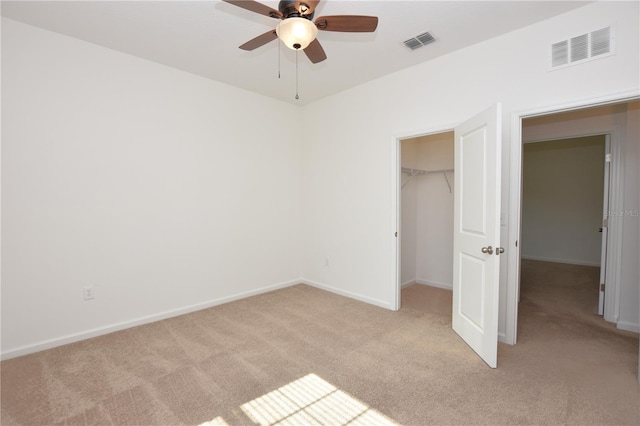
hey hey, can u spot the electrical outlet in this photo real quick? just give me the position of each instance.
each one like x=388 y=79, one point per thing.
x=88 y=293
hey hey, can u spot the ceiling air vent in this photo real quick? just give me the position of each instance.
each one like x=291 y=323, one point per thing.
x=582 y=48
x=419 y=41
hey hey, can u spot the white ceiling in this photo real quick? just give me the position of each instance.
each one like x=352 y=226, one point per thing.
x=202 y=37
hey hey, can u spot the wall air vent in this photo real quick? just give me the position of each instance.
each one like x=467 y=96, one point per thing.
x=419 y=41
x=582 y=48
x=559 y=54
x=601 y=42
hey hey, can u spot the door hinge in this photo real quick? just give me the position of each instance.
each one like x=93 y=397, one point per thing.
x=602 y=287
x=607 y=158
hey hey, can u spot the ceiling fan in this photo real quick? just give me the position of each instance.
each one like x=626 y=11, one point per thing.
x=297 y=30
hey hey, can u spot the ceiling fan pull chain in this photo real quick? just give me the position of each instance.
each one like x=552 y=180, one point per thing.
x=297 y=97
x=279 y=44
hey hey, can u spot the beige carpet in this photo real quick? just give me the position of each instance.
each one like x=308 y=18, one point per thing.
x=304 y=356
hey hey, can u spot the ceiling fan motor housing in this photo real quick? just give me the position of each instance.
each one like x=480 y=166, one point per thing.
x=290 y=9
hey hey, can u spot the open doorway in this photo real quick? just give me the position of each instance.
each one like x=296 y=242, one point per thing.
x=426 y=225
x=476 y=229
x=563 y=238
x=617 y=117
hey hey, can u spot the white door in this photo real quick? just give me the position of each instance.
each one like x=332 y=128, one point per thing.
x=476 y=234
x=605 y=225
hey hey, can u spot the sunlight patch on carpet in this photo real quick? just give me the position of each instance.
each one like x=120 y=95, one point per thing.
x=218 y=421
x=308 y=401
x=311 y=400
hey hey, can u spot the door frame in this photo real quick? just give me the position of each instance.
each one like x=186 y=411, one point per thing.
x=607 y=167
x=605 y=223
x=396 y=192
x=612 y=299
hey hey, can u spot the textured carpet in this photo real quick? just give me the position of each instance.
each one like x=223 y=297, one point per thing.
x=304 y=356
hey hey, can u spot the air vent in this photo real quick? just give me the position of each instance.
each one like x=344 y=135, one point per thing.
x=419 y=41
x=560 y=54
x=601 y=42
x=582 y=48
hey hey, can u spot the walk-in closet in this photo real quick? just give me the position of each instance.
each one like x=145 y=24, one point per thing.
x=426 y=205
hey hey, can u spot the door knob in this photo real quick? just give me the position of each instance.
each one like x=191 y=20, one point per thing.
x=499 y=250
x=487 y=250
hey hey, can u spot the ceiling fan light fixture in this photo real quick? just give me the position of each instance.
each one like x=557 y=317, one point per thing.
x=296 y=33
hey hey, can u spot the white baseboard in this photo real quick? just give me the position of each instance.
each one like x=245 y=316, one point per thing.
x=437 y=284
x=567 y=261
x=76 y=337
x=429 y=283
x=376 y=302
x=628 y=326
x=408 y=284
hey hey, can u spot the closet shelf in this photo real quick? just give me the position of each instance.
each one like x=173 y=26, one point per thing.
x=418 y=172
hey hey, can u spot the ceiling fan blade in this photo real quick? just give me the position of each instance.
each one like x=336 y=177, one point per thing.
x=256 y=7
x=311 y=5
x=261 y=40
x=315 y=52
x=347 y=23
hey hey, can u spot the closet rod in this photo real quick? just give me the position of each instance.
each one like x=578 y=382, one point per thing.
x=418 y=172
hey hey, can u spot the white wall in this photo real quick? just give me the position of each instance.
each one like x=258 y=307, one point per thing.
x=562 y=200
x=165 y=191
x=430 y=201
x=408 y=221
x=349 y=213
x=623 y=121
x=434 y=264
